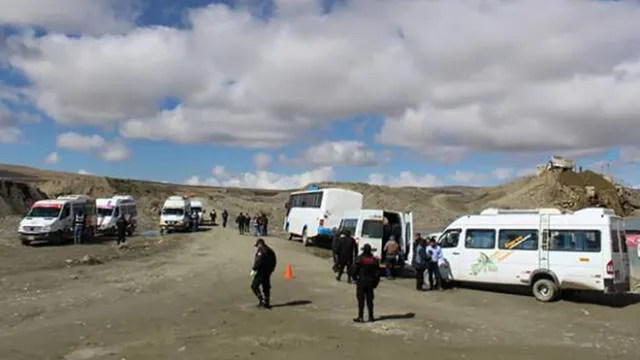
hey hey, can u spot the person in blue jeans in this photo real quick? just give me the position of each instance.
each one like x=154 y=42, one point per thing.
x=78 y=227
x=434 y=254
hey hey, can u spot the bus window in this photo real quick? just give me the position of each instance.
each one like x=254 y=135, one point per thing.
x=450 y=238
x=518 y=239
x=575 y=240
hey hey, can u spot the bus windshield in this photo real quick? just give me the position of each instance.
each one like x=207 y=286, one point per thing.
x=44 y=212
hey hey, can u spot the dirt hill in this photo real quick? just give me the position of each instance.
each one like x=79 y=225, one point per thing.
x=433 y=207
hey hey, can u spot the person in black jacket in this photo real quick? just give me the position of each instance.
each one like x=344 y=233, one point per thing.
x=367 y=275
x=335 y=241
x=263 y=266
x=121 y=229
x=347 y=251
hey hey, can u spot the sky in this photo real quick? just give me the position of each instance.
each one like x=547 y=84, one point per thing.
x=282 y=93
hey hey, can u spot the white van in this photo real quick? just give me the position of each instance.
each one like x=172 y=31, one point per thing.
x=315 y=212
x=546 y=249
x=366 y=226
x=198 y=207
x=52 y=220
x=109 y=209
x=175 y=214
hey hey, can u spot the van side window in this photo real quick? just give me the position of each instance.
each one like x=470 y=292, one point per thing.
x=450 y=238
x=518 y=239
x=116 y=212
x=575 y=240
x=480 y=239
x=66 y=211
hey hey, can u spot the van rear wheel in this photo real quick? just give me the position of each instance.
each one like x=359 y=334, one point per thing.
x=545 y=290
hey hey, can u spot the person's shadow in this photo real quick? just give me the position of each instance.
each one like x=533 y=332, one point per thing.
x=395 y=317
x=292 y=303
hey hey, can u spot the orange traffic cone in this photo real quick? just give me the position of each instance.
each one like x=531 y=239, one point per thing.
x=288 y=274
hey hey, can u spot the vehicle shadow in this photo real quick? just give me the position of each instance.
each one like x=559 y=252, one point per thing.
x=292 y=303
x=409 y=315
x=578 y=297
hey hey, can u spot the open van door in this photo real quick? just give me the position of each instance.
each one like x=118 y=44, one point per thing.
x=408 y=237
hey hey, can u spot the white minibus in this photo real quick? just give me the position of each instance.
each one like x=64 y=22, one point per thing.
x=548 y=250
x=314 y=213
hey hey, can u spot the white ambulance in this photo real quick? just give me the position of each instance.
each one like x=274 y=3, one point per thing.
x=198 y=207
x=547 y=249
x=366 y=226
x=175 y=214
x=52 y=220
x=109 y=209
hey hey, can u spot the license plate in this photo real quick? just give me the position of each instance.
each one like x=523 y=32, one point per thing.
x=31 y=237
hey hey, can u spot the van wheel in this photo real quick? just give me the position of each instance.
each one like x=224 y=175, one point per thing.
x=305 y=238
x=290 y=236
x=545 y=290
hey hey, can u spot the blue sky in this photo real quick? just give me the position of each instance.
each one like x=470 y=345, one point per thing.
x=432 y=122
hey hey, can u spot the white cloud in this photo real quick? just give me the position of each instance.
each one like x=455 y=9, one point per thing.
x=265 y=179
x=629 y=154
x=219 y=171
x=262 y=161
x=9 y=133
x=449 y=76
x=114 y=150
x=405 y=178
x=339 y=153
x=52 y=158
x=88 y=16
x=84 y=172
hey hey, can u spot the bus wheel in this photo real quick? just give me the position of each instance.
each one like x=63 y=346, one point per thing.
x=305 y=238
x=545 y=290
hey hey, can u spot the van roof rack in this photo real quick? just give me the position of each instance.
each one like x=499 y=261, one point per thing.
x=538 y=211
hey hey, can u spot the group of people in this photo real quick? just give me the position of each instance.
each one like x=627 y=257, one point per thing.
x=79 y=225
x=213 y=215
x=259 y=223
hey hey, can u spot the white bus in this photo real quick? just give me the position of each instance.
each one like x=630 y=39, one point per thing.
x=366 y=226
x=315 y=212
x=109 y=209
x=547 y=250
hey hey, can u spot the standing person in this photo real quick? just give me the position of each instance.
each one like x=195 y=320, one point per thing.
x=434 y=254
x=240 y=221
x=225 y=217
x=391 y=251
x=78 y=227
x=247 y=223
x=263 y=266
x=420 y=261
x=416 y=240
x=335 y=242
x=347 y=251
x=265 y=225
x=257 y=225
x=367 y=275
x=121 y=230
x=194 y=221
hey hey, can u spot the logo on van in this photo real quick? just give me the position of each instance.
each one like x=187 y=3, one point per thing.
x=483 y=264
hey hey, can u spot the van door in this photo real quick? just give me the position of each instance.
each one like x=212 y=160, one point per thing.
x=371 y=233
x=620 y=256
x=452 y=249
x=407 y=249
x=478 y=261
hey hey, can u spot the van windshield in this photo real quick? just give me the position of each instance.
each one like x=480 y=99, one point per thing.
x=196 y=208
x=372 y=229
x=170 y=211
x=44 y=212
x=104 y=212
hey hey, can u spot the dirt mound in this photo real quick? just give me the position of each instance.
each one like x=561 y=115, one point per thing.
x=17 y=197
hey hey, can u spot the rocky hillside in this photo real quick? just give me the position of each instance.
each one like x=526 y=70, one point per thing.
x=433 y=207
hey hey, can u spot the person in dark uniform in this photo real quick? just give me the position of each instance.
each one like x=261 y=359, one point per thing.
x=367 y=275
x=335 y=241
x=121 y=230
x=420 y=262
x=225 y=217
x=347 y=252
x=263 y=266
x=240 y=222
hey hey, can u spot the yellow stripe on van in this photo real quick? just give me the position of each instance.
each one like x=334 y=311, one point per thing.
x=584 y=260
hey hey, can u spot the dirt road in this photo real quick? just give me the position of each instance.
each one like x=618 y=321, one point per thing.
x=191 y=301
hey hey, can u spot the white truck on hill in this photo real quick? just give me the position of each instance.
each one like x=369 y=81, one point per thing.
x=175 y=214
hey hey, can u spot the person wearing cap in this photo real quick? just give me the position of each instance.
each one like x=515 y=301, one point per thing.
x=366 y=272
x=263 y=266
